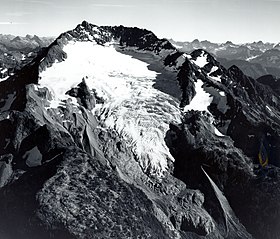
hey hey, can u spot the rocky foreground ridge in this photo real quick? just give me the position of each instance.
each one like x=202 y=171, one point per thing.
x=111 y=132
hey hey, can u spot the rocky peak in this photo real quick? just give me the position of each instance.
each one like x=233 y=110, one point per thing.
x=87 y=25
x=196 y=41
x=229 y=43
x=17 y=38
x=235 y=72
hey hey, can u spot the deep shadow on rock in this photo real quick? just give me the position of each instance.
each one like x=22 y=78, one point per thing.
x=252 y=194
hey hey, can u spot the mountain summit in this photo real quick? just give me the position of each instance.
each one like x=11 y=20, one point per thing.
x=111 y=132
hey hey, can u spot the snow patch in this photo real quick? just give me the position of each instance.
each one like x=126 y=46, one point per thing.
x=268 y=108
x=177 y=46
x=201 y=100
x=217 y=132
x=252 y=57
x=4 y=70
x=216 y=78
x=214 y=68
x=201 y=61
x=5 y=78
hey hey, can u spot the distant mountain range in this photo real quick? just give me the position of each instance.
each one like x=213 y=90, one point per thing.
x=16 y=51
x=254 y=59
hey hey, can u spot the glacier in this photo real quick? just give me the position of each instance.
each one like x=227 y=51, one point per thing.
x=132 y=106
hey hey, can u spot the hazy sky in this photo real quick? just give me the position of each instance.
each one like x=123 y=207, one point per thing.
x=215 y=20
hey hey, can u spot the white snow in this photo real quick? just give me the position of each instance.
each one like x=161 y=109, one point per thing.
x=177 y=46
x=4 y=70
x=222 y=93
x=5 y=78
x=201 y=100
x=139 y=112
x=216 y=78
x=96 y=36
x=33 y=157
x=90 y=37
x=95 y=29
x=214 y=68
x=201 y=61
x=217 y=132
x=252 y=57
x=268 y=108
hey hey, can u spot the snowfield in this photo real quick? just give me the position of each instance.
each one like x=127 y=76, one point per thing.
x=201 y=100
x=201 y=60
x=139 y=112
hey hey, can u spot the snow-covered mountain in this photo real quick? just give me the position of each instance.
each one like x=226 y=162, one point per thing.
x=228 y=50
x=111 y=132
x=16 y=51
x=254 y=59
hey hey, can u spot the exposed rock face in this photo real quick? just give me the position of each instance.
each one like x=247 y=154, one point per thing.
x=82 y=93
x=96 y=143
x=195 y=148
x=271 y=81
x=93 y=202
x=194 y=145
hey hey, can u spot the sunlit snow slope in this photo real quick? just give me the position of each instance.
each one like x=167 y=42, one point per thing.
x=139 y=112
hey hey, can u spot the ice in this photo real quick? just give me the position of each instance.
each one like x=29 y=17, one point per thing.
x=137 y=111
x=33 y=157
x=201 y=100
